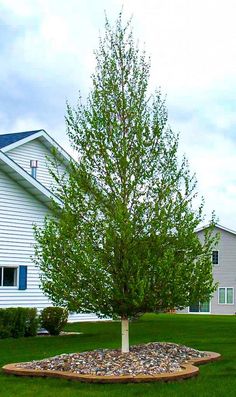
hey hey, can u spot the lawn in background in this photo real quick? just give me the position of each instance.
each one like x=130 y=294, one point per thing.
x=204 y=332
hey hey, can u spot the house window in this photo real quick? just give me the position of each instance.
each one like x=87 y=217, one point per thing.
x=34 y=166
x=200 y=307
x=226 y=296
x=8 y=276
x=215 y=258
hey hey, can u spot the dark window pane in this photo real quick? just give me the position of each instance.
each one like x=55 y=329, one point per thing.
x=205 y=307
x=215 y=257
x=9 y=276
x=0 y=276
x=194 y=308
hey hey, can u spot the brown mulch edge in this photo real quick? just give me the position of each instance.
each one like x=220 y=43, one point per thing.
x=189 y=370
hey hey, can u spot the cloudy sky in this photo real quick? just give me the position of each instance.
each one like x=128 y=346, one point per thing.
x=46 y=58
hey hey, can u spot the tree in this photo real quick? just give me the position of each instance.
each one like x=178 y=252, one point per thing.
x=124 y=242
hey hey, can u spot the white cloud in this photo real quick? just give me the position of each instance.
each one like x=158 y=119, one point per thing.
x=212 y=157
x=193 y=54
x=191 y=42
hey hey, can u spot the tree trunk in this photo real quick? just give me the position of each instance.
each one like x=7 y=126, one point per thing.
x=125 y=335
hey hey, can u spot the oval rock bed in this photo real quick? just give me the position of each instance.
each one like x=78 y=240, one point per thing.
x=146 y=362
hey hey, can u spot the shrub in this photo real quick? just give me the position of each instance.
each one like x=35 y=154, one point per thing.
x=53 y=319
x=17 y=322
x=5 y=323
x=5 y=331
x=18 y=315
x=32 y=322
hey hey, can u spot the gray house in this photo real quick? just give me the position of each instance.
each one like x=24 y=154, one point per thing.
x=224 y=271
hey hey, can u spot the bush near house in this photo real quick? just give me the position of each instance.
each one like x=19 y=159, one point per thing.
x=18 y=321
x=53 y=319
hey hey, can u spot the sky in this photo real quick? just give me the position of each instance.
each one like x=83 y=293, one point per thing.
x=46 y=59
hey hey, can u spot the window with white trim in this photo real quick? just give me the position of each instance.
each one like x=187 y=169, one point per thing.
x=8 y=276
x=215 y=257
x=226 y=295
x=200 y=307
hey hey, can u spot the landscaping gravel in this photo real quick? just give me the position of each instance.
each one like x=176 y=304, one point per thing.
x=146 y=359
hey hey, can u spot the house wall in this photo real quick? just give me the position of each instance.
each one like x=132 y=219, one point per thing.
x=19 y=210
x=225 y=272
x=34 y=150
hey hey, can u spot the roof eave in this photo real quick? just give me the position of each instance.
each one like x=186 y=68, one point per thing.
x=226 y=229
x=40 y=134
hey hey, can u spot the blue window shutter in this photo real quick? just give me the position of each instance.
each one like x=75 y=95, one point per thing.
x=22 y=277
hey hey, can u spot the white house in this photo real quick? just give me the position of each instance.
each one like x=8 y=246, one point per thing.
x=224 y=272
x=25 y=197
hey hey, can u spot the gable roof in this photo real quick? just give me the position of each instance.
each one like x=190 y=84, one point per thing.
x=11 y=141
x=23 y=178
x=226 y=229
x=8 y=139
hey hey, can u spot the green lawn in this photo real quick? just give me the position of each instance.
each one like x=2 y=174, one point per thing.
x=214 y=333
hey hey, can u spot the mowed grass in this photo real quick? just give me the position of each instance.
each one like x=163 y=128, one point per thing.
x=213 y=333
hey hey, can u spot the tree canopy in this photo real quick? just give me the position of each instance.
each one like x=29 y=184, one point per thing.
x=124 y=242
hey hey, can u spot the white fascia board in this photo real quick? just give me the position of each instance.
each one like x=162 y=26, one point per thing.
x=53 y=143
x=20 y=142
x=217 y=226
x=27 y=177
x=200 y=229
x=39 y=134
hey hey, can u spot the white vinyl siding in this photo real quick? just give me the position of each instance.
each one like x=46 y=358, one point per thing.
x=35 y=150
x=18 y=211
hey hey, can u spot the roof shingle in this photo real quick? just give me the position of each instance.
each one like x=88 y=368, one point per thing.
x=8 y=139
